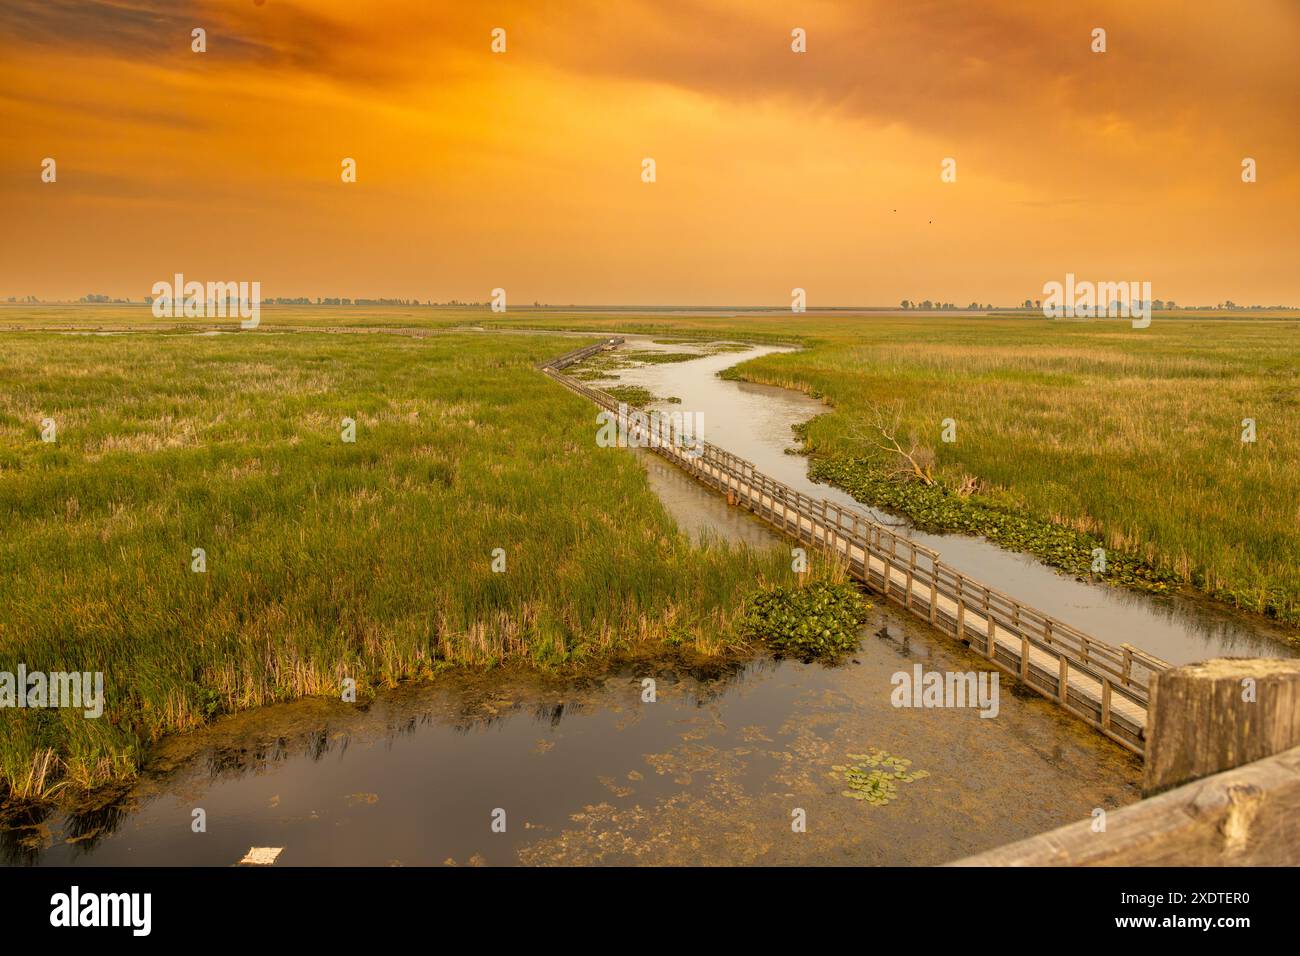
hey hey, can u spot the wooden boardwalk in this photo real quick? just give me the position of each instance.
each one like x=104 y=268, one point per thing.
x=1102 y=684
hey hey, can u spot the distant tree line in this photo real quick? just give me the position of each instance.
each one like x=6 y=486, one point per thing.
x=927 y=305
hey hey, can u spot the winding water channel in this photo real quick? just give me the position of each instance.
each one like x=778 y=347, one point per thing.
x=755 y=421
x=713 y=771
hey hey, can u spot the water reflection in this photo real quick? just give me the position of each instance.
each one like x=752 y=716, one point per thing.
x=589 y=772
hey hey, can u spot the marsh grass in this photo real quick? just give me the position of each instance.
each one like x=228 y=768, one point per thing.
x=325 y=560
x=1132 y=438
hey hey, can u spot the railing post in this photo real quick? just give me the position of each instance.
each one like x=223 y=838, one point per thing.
x=934 y=593
x=1105 y=701
x=1062 y=680
x=961 y=609
x=992 y=649
x=911 y=572
x=1210 y=717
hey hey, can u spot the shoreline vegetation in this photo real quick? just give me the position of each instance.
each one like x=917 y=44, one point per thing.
x=941 y=509
x=1139 y=456
x=324 y=559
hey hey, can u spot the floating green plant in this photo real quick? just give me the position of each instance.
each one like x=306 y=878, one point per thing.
x=940 y=509
x=875 y=775
x=637 y=396
x=817 y=620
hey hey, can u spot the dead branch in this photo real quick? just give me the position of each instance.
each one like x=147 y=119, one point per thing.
x=915 y=462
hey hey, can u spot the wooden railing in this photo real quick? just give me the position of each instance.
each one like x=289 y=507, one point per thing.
x=1105 y=685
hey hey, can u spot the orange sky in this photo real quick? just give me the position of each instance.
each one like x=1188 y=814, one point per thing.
x=775 y=170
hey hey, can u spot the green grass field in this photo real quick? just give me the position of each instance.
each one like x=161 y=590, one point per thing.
x=324 y=559
x=372 y=560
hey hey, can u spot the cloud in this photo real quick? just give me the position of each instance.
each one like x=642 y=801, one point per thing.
x=770 y=162
x=952 y=68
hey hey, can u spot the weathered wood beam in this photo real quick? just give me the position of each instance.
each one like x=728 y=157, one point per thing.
x=1209 y=717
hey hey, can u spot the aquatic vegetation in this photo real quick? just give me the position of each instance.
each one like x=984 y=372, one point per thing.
x=816 y=620
x=706 y=347
x=651 y=357
x=875 y=775
x=637 y=396
x=938 y=508
x=603 y=365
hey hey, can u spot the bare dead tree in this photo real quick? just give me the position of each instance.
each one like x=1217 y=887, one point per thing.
x=914 y=462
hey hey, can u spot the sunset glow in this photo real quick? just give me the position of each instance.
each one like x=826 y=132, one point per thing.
x=522 y=170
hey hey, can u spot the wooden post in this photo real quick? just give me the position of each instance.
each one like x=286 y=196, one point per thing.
x=934 y=592
x=911 y=570
x=992 y=649
x=1210 y=717
x=1105 y=702
x=961 y=609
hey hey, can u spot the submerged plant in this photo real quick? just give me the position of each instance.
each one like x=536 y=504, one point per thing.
x=875 y=776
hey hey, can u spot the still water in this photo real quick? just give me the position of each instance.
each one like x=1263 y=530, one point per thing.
x=712 y=771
